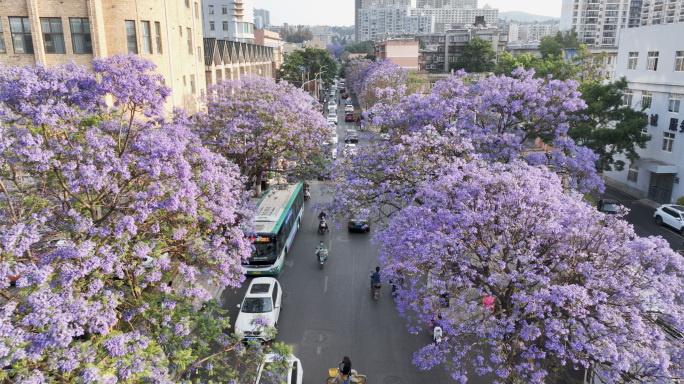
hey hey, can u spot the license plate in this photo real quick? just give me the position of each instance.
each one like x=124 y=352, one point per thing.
x=257 y=272
x=251 y=338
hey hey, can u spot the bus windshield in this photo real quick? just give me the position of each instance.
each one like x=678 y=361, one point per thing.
x=263 y=254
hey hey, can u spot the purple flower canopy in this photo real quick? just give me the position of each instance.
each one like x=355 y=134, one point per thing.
x=100 y=207
x=264 y=126
x=468 y=207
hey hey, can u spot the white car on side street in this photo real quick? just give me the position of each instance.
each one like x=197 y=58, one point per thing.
x=262 y=300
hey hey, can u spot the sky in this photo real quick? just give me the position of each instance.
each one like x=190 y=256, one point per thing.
x=341 y=12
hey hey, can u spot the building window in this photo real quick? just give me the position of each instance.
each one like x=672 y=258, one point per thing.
x=21 y=34
x=679 y=61
x=211 y=9
x=196 y=11
x=80 y=35
x=633 y=58
x=199 y=54
x=180 y=31
x=646 y=99
x=668 y=141
x=3 y=48
x=131 y=38
x=189 y=33
x=192 y=84
x=633 y=173
x=187 y=3
x=53 y=35
x=146 y=37
x=184 y=82
x=211 y=25
x=627 y=98
x=225 y=25
x=673 y=102
x=224 y=10
x=157 y=36
x=652 y=61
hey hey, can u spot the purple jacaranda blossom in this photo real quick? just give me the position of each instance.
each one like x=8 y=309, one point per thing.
x=101 y=206
x=571 y=286
x=264 y=126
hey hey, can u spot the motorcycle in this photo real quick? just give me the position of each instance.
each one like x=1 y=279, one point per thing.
x=375 y=288
x=375 y=291
x=323 y=227
x=321 y=255
x=307 y=194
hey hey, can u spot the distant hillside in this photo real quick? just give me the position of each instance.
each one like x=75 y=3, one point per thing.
x=524 y=17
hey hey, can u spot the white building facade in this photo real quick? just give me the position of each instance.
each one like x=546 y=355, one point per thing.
x=597 y=22
x=652 y=60
x=231 y=20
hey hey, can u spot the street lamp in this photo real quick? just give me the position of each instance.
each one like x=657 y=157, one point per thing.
x=318 y=86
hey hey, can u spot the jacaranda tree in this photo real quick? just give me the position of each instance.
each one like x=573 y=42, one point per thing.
x=114 y=218
x=497 y=118
x=264 y=126
x=385 y=82
x=355 y=74
x=565 y=285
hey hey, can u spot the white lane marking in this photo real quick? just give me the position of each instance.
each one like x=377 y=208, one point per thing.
x=318 y=350
x=325 y=285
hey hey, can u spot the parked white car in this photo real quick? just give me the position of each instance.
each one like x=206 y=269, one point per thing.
x=293 y=374
x=332 y=108
x=349 y=150
x=671 y=215
x=332 y=120
x=263 y=299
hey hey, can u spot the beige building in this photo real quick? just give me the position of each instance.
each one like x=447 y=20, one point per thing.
x=230 y=60
x=54 y=32
x=315 y=43
x=402 y=52
x=273 y=40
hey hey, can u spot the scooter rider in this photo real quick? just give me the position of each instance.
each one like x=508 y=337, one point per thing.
x=375 y=277
x=321 y=248
x=321 y=216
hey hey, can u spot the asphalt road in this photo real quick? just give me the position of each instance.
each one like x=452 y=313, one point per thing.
x=641 y=217
x=330 y=313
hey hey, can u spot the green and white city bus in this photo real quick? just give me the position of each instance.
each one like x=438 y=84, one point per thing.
x=279 y=215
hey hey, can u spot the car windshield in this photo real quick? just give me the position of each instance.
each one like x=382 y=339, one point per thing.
x=257 y=305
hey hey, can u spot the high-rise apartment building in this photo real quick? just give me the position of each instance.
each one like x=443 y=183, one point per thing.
x=597 y=22
x=56 y=32
x=380 y=23
x=264 y=18
x=634 y=13
x=229 y=20
x=655 y=12
x=420 y=23
x=452 y=18
x=534 y=32
x=447 y=4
